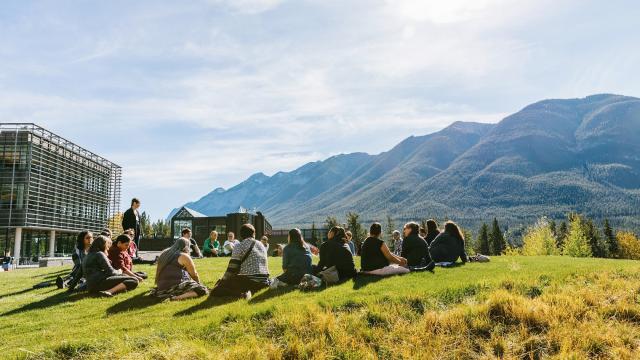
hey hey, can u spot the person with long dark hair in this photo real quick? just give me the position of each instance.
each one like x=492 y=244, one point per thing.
x=377 y=259
x=121 y=260
x=336 y=252
x=176 y=274
x=83 y=242
x=414 y=248
x=449 y=246
x=101 y=277
x=296 y=261
x=432 y=231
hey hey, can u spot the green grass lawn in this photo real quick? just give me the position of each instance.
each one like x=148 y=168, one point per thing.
x=513 y=307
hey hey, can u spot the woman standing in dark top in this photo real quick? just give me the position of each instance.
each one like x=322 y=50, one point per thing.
x=377 y=259
x=449 y=245
x=414 y=248
x=101 y=277
x=296 y=261
x=335 y=252
x=432 y=231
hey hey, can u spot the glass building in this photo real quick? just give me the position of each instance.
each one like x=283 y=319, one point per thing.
x=50 y=189
x=201 y=225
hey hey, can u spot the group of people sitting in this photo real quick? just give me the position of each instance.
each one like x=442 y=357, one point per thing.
x=105 y=267
x=212 y=247
x=102 y=265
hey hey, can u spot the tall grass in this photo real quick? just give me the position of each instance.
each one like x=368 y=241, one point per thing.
x=513 y=307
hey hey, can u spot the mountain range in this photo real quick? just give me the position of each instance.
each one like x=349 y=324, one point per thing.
x=550 y=158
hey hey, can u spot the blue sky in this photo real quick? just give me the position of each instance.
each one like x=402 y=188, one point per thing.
x=188 y=96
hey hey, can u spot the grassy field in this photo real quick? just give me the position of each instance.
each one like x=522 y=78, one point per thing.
x=513 y=307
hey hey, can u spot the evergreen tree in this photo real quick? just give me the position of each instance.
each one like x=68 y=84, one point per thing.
x=598 y=248
x=161 y=228
x=469 y=243
x=611 y=240
x=145 y=224
x=553 y=228
x=562 y=234
x=496 y=239
x=483 y=240
x=577 y=243
x=314 y=235
x=330 y=222
x=358 y=232
x=391 y=227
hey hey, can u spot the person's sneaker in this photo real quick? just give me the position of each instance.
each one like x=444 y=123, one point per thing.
x=275 y=283
x=247 y=296
x=59 y=282
x=105 y=294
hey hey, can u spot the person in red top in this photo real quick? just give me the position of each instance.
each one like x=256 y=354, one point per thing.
x=120 y=258
x=133 y=252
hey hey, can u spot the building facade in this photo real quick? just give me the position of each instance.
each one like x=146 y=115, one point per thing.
x=201 y=225
x=50 y=189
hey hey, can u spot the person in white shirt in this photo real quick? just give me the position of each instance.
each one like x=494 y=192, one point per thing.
x=229 y=244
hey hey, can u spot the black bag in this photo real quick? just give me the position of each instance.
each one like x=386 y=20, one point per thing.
x=232 y=271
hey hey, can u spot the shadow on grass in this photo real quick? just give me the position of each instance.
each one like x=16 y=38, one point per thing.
x=52 y=275
x=363 y=280
x=53 y=300
x=19 y=292
x=210 y=302
x=270 y=294
x=140 y=301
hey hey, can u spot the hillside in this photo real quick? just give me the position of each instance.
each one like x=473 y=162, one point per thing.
x=513 y=307
x=550 y=158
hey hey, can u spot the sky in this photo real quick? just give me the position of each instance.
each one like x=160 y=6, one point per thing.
x=189 y=96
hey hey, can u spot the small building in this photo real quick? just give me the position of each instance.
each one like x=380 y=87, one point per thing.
x=201 y=225
x=51 y=189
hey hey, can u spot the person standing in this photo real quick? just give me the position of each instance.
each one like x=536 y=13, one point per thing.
x=131 y=220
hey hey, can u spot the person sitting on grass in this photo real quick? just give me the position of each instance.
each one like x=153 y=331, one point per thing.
x=248 y=271
x=265 y=241
x=415 y=248
x=195 y=250
x=397 y=242
x=377 y=259
x=211 y=246
x=176 y=274
x=229 y=244
x=133 y=250
x=449 y=245
x=101 y=277
x=350 y=243
x=121 y=260
x=432 y=231
x=83 y=242
x=335 y=252
x=296 y=261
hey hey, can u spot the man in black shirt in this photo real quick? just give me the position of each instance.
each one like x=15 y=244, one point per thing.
x=131 y=220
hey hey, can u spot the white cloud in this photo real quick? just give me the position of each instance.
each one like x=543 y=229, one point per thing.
x=191 y=97
x=249 y=6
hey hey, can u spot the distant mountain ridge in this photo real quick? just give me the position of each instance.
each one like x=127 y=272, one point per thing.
x=551 y=157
